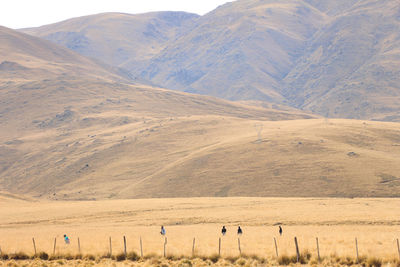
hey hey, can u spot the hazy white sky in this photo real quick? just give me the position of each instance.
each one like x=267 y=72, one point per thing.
x=31 y=13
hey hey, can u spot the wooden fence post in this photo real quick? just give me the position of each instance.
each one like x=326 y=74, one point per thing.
x=398 y=247
x=219 y=247
x=276 y=248
x=141 y=248
x=194 y=241
x=55 y=244
x=319 y=258
x=240 y=250
x=357 y=249
x=165 y=245
x=125 y=246
x=297 y=249
x=34 y=244
x=110 y=247
x=79 y=245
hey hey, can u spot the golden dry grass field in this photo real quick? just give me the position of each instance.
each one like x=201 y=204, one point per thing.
x=336 y=222
x=206 y=156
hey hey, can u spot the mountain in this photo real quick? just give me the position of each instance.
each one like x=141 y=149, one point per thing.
x=239 y=51
x=118 y=39
x=350 y=68
x=62 y=114
x=334 y=58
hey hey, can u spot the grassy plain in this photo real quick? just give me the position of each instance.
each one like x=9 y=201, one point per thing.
x=207 y=156
x=336 y=222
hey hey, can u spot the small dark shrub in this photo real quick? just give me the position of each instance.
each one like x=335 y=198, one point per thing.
x=241 y=261
x=90 y=257
x=214 y=258
x=120 y=257
x=43 y=256
x=284 y=260
x=132 y=256
x=307 y=255
x=304 y=258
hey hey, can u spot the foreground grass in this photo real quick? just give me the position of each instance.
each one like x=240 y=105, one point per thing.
x=132 y=259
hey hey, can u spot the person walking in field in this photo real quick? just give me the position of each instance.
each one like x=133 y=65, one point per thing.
x=239 y=232
x=280 y=230
x=66 y=239
x=223 y=231
x=162 y=232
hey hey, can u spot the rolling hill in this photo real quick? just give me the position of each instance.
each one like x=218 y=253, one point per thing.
x=335 y=58
x=62 y=114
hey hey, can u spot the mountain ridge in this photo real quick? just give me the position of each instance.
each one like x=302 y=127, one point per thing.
x=286 y=52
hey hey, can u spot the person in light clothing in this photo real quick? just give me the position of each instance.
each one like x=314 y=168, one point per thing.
x=162 y=232
x=66 y=239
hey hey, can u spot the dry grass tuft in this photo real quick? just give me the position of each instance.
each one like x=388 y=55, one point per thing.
x=349 y=261
x=42 y=256
x=232 y=259
x=287 y=260
x=374 y=262
x=241 y=261
x=132 y=256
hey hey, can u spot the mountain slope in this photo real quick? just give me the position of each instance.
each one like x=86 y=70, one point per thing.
x=350 y=69
x=335 y=58
x=28 y=56
x=118 y=39
x=239 y=51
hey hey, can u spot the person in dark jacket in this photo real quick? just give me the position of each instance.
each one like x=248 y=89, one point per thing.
x=280 y=230
x=239 y=232
x=223 y=231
